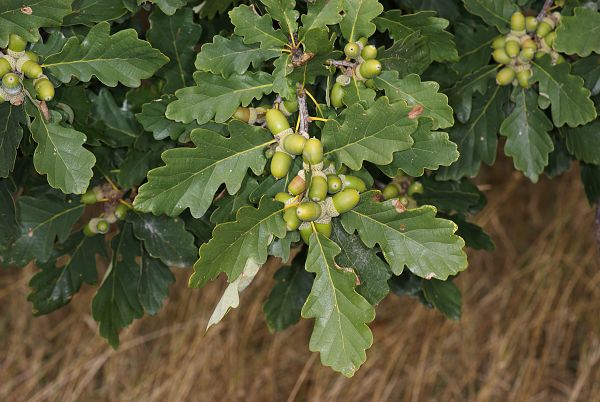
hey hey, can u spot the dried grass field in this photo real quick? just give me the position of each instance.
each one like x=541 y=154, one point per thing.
x=530 y=329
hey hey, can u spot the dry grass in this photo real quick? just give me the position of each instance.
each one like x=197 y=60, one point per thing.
x=530 y=330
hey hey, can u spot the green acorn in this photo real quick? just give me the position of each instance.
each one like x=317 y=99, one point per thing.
x=370 y=83
x=31 y=69
x=290 y=105
x=291 y=219
x=313 y=151
x=499 y=42
x=544 y=27
x=500 y=56
x=345 y=200
x=369 y=52
x=294 y=143
x=243 y=114
x=308 y=211
x=4 y=67
x=415 y=188
x=32 y=56
x=390 y=191
x=121 y=211
x=297 y=186
x=44 y=89
x=16 y=43
x=318 y=188
x=334 y=183
x=512 y=47
x=11 y=81
x=370 y=68
x=517 y=21
x=351 y=50
x=364 y=41
x=527 y=54
x=336 y=95
x=305 y=233
x=550 y=38
x=523 y=78
x=283 y=197
x=280 y=164
x=531 y=24
x=89 y=231
x=505 y=76
x=89 y=197
x=276 y=121
x=102 y=226
x=355 y=183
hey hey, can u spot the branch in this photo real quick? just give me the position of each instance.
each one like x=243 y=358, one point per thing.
x=544 y=11
x=341 y=63
x=597 y=221
x=302 y=110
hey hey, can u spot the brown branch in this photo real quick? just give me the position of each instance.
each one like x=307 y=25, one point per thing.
x=342 y=63
x=544 y=11
x=597 y=221
x=302 y=110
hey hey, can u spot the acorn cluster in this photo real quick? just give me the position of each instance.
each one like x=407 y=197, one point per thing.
x=363 y=68
x=113 y=209
x=17 y=65
x=401 y=189
x=529 y=38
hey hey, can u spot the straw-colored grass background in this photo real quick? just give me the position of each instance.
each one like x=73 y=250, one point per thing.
x=530 y=329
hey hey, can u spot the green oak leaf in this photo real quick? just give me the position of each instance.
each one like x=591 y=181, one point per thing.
x=153 y=119
x=175 y=36
x=477 y=140
x=154 y=281
x=217 y=97
x=449 y=196
x=415 y=238
x=474 y=46
x=493 y=12
x=526 y=130
x=281 y=248
x=57 y=282
x=281 y=82
x=417 y=93
x=444 y=296
x=429 y=150
x=12 y=120
x=191 y=176
x=227 y=207
x=584 y=142
x=119 y=58
x=137 y=163
x=8 y=215
x=164 y=238
x=357 y=92
x=283 y=305
x=169 y=7
x=408 y=55
x=236 y=244
x=256 y=29
x=372 y=134
x=589 y=69
x=90 y=12
x=231 y=56
x=579 y=34
x=116 y=125
x=60 y=154
x=358 y=17
x=45 y=13
x=373 y=273
x=116 y=303
x=340 y=334
x=320 y=14
x=460 y=96
x=440 y=42
x=41 y=220
x=570 y=100
x=473 y=234
x=283 y=12
x=210 y=9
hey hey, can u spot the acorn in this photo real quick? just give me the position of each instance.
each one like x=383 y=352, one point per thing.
x=294 y=143
x=355 y=183
x=4 y=67
x=415 y=188
x=318 y=188
x=369 y=52
x=370 y=68
x=351 y=50
x=390 y=191
x=31 y=69
x=289 y=106
x=545 y=27
x=305 y=233
x=280 y=164
x=499 y=42
x=313 y=151
x=512 y=47
x=276 y=121
x=243 y=114
x=334 y=183
x=531 y=24
x=500 y=56
x=324 y=228
x=308 y=211
x=121 y=211
x=89 y=197
x=32 y=56
x=517 y=21
x=505 y=76
x=11 y=81
x=283 y=197
x=297 y=185
x=16 y=43
x=336 y=95
x=44 y=89
x=523 y=78
x=291 y=219
x=345 y=200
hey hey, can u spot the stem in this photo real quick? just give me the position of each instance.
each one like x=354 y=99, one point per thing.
x=597 y=221
x=313 y=118
x=302 y=110
x=341 y=63
x=314 y=101
x=544 y=11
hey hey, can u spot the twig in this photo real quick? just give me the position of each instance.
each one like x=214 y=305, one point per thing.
x=302 y=110
x=597 y=221
x=544 y=11
x=341 y=63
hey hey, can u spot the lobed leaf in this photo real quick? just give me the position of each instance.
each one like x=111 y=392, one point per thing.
x=579 y=34
x=357 y=18
x=12 y=120
x=255 y=28
x=493 y=12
